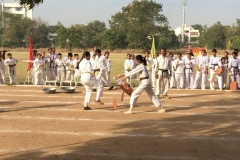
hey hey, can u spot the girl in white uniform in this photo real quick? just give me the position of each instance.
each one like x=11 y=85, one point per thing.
x=189 y=71
x=88 y=80
x=179 y=71
x=145 y=84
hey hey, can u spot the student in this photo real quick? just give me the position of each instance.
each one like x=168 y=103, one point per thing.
x=108 y=69
x=214 y=63
x=189 y=71
x=33 y=69
x=145 y=84
x=234 y=67
x=163 y=71
x=11 y=63
x=189 y=51
x=76 y=62
x=202 y=70
x=2 y=70
x=128 y=65
x=38 y=65
x=59 y=64
x=153 y=71
x=179 y=71
x=44 y=59
x=101 y=65
x=50 y=67
x=69 y=67
x=88 y=80
x=225 y=75
x=173 y=78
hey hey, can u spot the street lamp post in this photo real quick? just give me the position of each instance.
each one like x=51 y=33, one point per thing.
x=184 y=2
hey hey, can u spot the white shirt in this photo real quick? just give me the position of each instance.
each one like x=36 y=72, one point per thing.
x=69 y=64
x=85 y=68
x=140 y=69
x=11 y=61
x=163 y=63
x=60 y=63
x=100 y=62
x=233 y=63
x=128 y=64
x=179 y=65
x=37 y=65
x=214 y=62
x=202 y=61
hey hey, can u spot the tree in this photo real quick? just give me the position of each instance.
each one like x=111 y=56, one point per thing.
x=30 y=3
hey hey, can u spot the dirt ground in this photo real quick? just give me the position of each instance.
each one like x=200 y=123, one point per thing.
x=197 y=125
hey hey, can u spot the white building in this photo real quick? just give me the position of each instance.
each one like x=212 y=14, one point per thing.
x=188 y=31
x=15 y=8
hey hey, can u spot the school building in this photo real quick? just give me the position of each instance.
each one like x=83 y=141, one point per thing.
x=189 y=32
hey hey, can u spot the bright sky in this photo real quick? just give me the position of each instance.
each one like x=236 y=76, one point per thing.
x=70 y=12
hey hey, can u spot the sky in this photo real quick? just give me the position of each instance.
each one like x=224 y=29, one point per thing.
x=204 y=12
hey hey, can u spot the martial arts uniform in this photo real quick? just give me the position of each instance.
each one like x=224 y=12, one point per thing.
x=234 y=66
x=201 y=77
x=214 y=63
x=162 y=68
x=11 y=63
x=189 y=73
x=179 y=72
x=225 y=75
x=88 y=80
x=108 y=70
x=145 y=84
x=149 y=66
x=60 y=63
x=38 y=77
x=44 y=78
x=2 y=72
x=69 y=70
x=50 y=66
x=128 y=65
x=77 y=73
x=173 y=78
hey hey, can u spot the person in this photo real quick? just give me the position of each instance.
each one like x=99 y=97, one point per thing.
x=108 y=69
x=11 y=63
x=88 y=80
x=153 y=71
x=2 y=70
x=186 y=56
x=173 y=78
x=224 y=70
x=214 y=63
x=178 y=66
x=76 y=62
x=145 y=84
x=101 y=65
x=50 y=66
x=163 y=71
x=189 y=71
x=234 y=68
x=33 y=69
x=149 y=63
x=132 y=57
x=93 y=52
x=69 y=67
x=59 y=64
x=44 y=59
x=225 y=75
x=55 y=57
x=202 y=70
x=128 y=66
x=38 y=65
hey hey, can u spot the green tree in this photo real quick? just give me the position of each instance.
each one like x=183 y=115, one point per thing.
x=30 y=3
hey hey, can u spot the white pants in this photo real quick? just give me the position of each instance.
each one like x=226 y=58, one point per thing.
x=189 y=79
x=38 y=78
x=107 y=79
x=2 y=75
x=88 y=83
x=162 y=84
x=144 y=85
x=153 y=79
x=219 y=79
x=179 y=80
x=200 y=78
x=12 y=75
x=60 y=74
x=69 y=75
x=172 y=80
x=102 y=76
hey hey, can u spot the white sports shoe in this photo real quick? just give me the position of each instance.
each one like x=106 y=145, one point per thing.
x=161 y=111
x=130 y=111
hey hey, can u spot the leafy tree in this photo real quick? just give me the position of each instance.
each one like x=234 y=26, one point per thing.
x=30 y=3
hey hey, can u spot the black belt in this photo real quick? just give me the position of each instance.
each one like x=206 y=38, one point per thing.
x=163 y=70
x=143 y=78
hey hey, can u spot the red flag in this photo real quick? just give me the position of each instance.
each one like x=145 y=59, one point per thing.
x=30 y=54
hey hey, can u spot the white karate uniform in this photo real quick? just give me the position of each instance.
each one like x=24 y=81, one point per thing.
x=44 y=69
x=69 y=70
x=234 y=66
x=88 y=80
x=201 y=77
x=214 y=63
x=145 y=84
x=162 y=67
x=11 y=63
x=128 y=65
x=153 y=73
x=173 y=78
x=51 y=75
x=59 y=64
x=2 y=71
x=101 y=63
x=77 y=73
x=189 y=73
x=108 y=69
x=33 y=71
x=179 y=72
x=38 y=77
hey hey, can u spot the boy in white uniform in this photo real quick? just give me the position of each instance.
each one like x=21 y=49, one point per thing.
x=88 y=80
x=173 y=78
x=108 y=69
x=50 y=67
x=179 y=71
x=2 y=70
x=163 y=71
x=214 y=63
x=11 y=63
x=189 y=71
x=77 y=73
x=153 y=70
x=202 y=70
x=60 y=63
x=38 y=65
x=69 y=67
x=234 y=68
x=128 y=65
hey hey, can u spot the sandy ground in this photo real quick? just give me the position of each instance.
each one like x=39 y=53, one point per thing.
x=197 y=125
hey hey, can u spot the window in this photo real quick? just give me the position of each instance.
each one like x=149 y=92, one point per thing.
x=18 y=9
